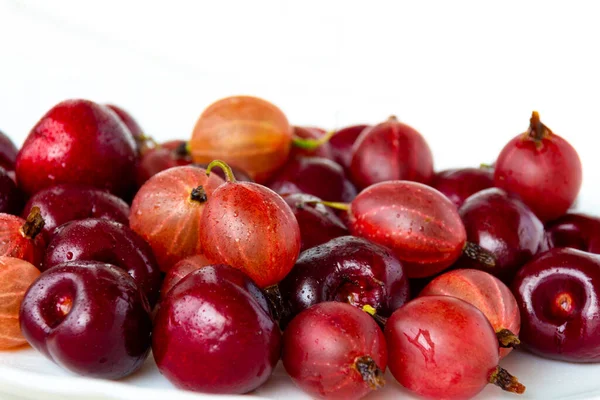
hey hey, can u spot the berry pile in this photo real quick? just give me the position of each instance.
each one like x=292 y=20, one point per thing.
x=339 y=253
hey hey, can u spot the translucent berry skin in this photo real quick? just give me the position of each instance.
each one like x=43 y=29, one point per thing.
x=11 y=198
x=418 y=223
x=110 y=242
x=13 y=242
x=317 y=176
x=341 y=144
x=459 y=184
x=390 y=151
x=575 y=230
x=164 y=214
x=484 y=291
x=441 y=347
x=8 y=152
x=212 y=335
x=89 y=318
x=159 y=158
x=303 y=132
x=63 y=203
x=245 y=132
x=321 y=346
x=318 y=223
x=545 y=173
x=559 y=297
x=250 y=227
x=78 y=142
x=506 y=227
x=15 y=278
x=346 y=269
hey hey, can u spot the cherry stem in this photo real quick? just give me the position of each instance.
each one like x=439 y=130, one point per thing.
x=370 y=372
x=199 y=194
x=479 y=254
x=485 y=166
x=537 y=130
x=312 y=144
x=273 y=295
x=223 y=165
x=182 y=150
x=373 y=313
x=332 y=204
x=33 y=224
x=501 y=378
x=507 y=339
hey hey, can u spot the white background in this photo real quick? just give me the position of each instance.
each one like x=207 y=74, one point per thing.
x=467 y=74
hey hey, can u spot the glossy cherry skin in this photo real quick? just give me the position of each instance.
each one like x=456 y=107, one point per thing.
x=459 y=184
x=302 y=132
x=109 y=242
x=212 y=335
x=318 y=223
x=78 y=142
x=324 y=346
x=131 y=124
x=250 y=227
x=418 y=223
x=575 y=230
x=504 y=226
x=8 y=152
x=14 y=242
x=341 y=144
x=390 y=151
x=559 y=297
x=180 y=270
x=88 y=317
x=167 y=215
x=159 y=158
x=314 y=175
x=346 y=269
x=63 y=203
x=11 y=198
x=542 y=168
x=484 y=291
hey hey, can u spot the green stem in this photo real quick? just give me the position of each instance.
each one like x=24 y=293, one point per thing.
x=332 y=204
x=312 y=144
x=223 y=165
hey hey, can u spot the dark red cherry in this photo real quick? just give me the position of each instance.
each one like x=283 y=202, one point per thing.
x=459 y=184
x=63 y=203
x=346 y=269
x=542 y=168
x=575 y=230
x=335 y=351
x=321 y=150
x=341 y=144
x=88 y=317
x=559 y=297
x=110 y=242
x=390 y=151
x=11 y=198
x=314 y=175
x=8 y=153
x=212 y=335
x=505 y=227
x=180 y=270
x=131 y=124
x=163 y=156
x=318 y=223
x=78 y=142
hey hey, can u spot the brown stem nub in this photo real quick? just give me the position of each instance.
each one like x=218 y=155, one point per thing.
x=182 y=150
x=507 y=339
x=223 y=165
x=501 y=378
x=537 y=130
x=370 y=372
x=199 y=194
x=479 y=254
x=312 y=144
x=273 y=295
x=33 y=225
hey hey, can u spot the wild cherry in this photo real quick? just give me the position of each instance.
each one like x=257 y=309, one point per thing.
x=167 y=211
x=88 y=317
x=8 y=153
x=78 y=142
x=160 y=157
x=180 y=270
x=212 y=335
x=249 y=227
x=110 y=242
x=443 y=347
x=559 y=297
x=390 y=151
x=575 y=230
x=459 y=184
x=542 y=168
x=489 y=295
x=11 y=198
x=341 y=143
x=418 y=223
x=63 y=203
x=347 y=269
x=335 y=351
x=131 y=124
x=21 y=238
x=505 y=227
